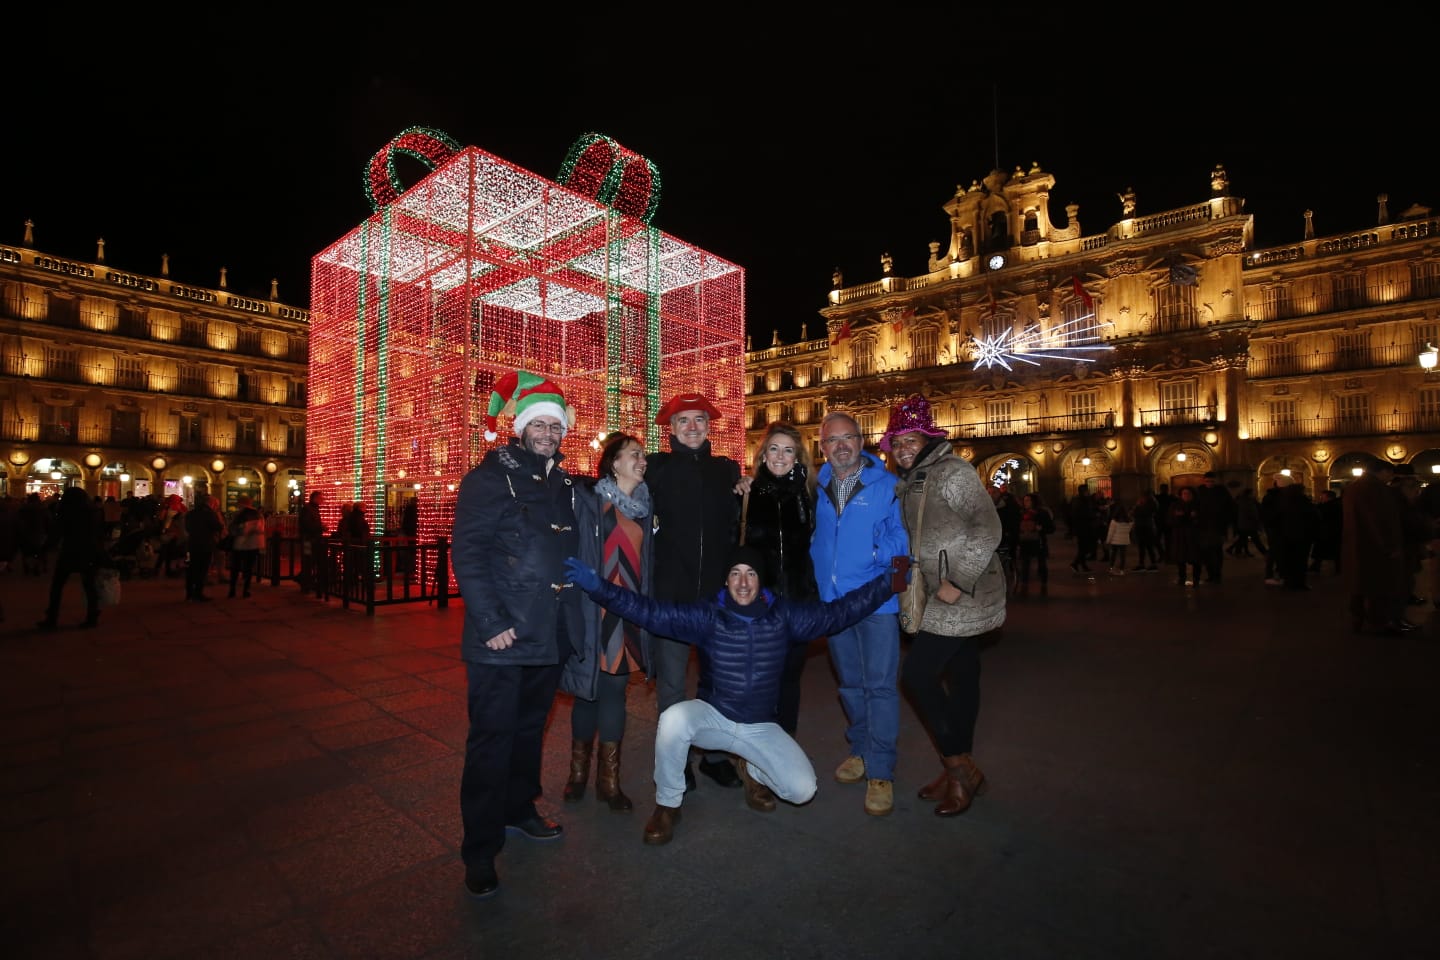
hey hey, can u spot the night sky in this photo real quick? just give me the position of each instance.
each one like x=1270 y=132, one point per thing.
x=243 y=145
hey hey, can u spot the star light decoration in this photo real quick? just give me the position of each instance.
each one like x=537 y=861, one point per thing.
x=1003 y=349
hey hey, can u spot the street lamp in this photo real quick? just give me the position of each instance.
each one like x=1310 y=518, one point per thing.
x=1430 y=356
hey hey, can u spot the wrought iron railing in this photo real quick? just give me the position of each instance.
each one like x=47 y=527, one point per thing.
x=1367 y=425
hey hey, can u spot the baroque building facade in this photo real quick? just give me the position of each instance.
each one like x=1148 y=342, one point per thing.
x=1162 y=348
x=124 y=383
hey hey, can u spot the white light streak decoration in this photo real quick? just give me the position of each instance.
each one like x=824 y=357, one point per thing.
x=1079 y=337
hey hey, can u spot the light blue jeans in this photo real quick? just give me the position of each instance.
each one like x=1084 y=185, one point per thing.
x=774 y=758
x=867 y=662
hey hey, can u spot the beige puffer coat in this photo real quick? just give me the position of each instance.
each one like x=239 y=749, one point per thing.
x=960 y=520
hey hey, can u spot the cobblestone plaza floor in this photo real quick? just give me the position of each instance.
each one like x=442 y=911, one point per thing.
x=1223 y=771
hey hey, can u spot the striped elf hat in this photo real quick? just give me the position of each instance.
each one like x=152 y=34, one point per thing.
x=526 y=396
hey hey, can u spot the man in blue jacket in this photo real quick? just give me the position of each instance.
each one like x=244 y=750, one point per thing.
x=858 y=529
x=514 y=527
x=742 y=636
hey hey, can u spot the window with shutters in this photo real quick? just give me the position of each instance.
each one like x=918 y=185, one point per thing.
x=862 y=358
x=998 y=414
x=1354 y=407
x=1282 y=412
x=130 y=372
x=1082 y=410
x=923 y=344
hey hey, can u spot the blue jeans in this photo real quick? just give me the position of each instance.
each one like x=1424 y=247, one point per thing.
x=775 y=759
x=867 y=661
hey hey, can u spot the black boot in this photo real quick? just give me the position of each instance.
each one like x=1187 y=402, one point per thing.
x=721 y=771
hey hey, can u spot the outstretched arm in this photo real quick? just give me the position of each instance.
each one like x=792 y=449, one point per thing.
x=687 y=622
x=816 y=619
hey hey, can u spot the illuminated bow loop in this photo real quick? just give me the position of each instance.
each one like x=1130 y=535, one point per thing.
x=382 y=180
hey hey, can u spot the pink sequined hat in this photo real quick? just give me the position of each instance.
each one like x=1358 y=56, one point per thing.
x=909 y=416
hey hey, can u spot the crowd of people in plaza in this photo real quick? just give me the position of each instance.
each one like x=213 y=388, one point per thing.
x=69 y=533
x=1195 y=528
x=1375 y=534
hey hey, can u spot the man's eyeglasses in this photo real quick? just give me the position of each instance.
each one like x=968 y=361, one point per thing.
x=556 y=428
x=839 y=438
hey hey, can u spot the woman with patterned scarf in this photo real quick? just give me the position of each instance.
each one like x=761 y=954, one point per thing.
x=616 y=533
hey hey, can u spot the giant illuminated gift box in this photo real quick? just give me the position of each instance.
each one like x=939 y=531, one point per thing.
x=482 y=268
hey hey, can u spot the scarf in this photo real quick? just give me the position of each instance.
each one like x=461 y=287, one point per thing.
x=635 y=505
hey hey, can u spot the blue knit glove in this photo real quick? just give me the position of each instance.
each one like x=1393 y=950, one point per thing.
x=581 y=575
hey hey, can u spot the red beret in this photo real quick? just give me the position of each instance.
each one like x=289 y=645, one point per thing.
x=686 y=401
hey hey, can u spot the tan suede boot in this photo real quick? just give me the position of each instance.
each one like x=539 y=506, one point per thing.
x=579 y=770
x=607 y=778
x=757 y=795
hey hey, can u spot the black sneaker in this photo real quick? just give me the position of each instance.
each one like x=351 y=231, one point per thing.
x=482 y=884
x=537 y=828
x=721 y=771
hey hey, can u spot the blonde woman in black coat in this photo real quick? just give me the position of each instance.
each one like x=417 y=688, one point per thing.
x=779 y=521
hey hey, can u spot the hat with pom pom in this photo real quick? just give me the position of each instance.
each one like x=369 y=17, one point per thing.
x=526 y=396
x=912 y=415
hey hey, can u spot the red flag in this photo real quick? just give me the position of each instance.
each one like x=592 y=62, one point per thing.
x=1084 y=297
x=843 y=333
x=899 y=325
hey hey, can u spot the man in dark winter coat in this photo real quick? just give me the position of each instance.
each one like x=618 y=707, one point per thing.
x=203 y=529
x=742 y=636
x=312 y=543
x=1214 y=516
x=696 y=523
x=77 y=530
x=514 y=527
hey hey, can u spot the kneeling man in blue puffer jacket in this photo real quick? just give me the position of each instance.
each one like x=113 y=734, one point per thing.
x=742 y=637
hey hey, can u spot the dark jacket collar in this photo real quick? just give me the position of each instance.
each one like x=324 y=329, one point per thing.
x=698 y=453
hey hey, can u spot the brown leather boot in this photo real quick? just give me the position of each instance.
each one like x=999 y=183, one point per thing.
x=660 y=828
x=607 y=778
x=579 y=770
x=964 y=783
x=935 y=789
x=757 y=795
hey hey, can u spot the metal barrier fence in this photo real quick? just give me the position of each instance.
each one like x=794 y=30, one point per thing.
x=387 y=570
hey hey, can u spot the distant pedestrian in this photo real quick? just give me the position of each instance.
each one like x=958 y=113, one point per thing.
x=204 y=528
x=1247 y=525
x=32 y=528
x=312 y=544
x=1146 y=533
x=1082 y=527
x=1036 y=526
x=1184 y=539
x=1332 y=520
x=77 y=535
x=1117 y=537
x=248 y=529
x=1214 y=516
x=1373 y=544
